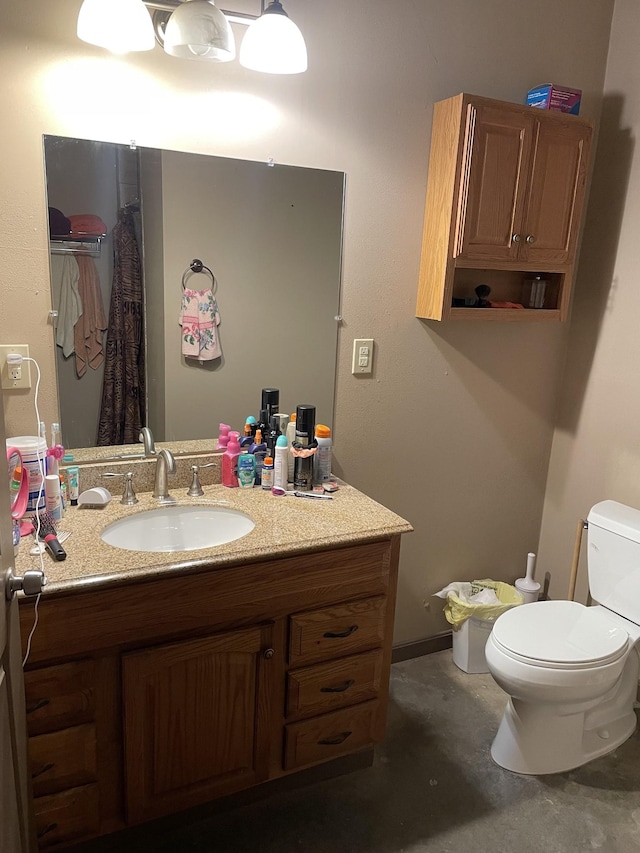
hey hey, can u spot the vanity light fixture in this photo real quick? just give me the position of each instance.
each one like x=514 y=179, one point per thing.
x=196 y=29
x=273 y=43
x=117 y=25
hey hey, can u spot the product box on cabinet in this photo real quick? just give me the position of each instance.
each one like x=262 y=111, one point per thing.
x=552 y=97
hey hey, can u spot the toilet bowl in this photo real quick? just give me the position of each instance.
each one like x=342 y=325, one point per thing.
x=571 y=673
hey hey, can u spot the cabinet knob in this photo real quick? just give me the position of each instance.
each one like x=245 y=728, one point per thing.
x=530 y=238
x=515 y=238
x=268 y=654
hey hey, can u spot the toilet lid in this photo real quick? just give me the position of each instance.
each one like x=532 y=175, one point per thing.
x=560 y=633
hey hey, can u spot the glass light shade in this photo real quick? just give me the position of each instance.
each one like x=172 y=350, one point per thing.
x=197 y=29
x=274 y=44
x=120 y=26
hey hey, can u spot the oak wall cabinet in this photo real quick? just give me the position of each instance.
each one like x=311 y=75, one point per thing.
x=505 y=199
x=164 y=693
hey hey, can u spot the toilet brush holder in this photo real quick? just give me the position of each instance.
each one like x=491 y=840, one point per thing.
x=529 y=588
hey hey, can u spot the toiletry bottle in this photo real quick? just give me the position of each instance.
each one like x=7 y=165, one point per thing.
x=246 y=470
x=250 y=425
x=73 y=477
x=322 y=459
x=270 y=402
x=223 y=438
x=304 y=447
x=263 y=422
x=259 y=450
x=280 y=464
x=64 y=495
x=230 y=460
x=267 y=473
x=272 y=435
x=52 y=499
x=290 y=434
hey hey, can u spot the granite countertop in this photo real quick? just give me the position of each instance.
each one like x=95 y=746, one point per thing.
x=283 y=526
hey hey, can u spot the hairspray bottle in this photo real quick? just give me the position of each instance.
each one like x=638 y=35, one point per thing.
x=304 y=447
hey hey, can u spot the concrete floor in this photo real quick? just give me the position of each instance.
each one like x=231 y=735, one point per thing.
x=433 y=787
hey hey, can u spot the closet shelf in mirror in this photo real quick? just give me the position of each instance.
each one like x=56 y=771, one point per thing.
x=75 y=244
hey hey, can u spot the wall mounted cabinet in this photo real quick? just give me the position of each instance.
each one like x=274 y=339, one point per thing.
x=505 y=199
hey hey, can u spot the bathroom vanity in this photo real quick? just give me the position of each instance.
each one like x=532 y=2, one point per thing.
x=160 y=681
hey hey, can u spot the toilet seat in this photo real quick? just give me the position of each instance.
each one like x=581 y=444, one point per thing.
x=560 y=635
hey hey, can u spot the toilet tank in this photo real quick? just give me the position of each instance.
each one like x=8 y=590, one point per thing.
x=613 y=558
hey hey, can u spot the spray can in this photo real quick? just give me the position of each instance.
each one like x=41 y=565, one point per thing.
x=322 y=459
x=280 y=464
x=291 y=436
x=304 y=447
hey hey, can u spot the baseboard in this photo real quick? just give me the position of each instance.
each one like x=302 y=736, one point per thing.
x=417 y=648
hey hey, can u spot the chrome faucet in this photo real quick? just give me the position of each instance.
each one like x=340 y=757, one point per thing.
x=146 y=437
x=165 y=464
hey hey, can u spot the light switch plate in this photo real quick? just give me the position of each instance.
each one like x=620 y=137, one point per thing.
x=15 y=377
x=362 y=362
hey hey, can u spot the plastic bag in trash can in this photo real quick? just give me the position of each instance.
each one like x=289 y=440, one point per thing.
x=464 y=600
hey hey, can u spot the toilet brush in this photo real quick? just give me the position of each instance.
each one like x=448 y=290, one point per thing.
x=527 y=586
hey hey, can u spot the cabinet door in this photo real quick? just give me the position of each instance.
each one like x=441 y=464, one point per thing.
x=493 y=189
x=196 y=720
x=556 y=198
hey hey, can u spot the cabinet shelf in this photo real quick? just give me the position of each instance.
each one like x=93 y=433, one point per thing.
x=505 y=200
x=505 y=315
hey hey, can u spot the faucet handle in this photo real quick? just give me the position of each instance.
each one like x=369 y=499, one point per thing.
x=195 y=489
x=128 y=495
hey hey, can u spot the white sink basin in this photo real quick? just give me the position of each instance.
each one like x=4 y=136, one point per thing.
x=177 y=528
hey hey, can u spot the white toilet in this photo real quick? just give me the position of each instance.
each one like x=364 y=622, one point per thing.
x=572 y=671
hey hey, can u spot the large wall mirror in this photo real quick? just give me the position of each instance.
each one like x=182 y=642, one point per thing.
x=271 y=235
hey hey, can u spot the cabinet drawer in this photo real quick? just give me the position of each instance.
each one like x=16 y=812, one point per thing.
x=330 y=735
x=63 y=759
x=67 y=816
x=336 y=631
x=327 y=686
x=59 y=696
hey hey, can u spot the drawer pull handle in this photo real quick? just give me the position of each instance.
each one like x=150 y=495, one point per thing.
x=339 y=688
x=47 y=829
x=44 y=769
x=334 y=741
x=330 y=635
x=41 y=703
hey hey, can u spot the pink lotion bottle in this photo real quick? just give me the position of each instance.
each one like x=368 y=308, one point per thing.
x=230 y=461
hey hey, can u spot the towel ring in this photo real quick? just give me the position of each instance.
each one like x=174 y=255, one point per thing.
x=196 y=266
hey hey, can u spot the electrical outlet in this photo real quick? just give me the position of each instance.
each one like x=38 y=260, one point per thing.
x=15 y=376
x=362 y=356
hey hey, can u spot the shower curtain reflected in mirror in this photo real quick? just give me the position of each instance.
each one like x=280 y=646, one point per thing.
x=122 y=411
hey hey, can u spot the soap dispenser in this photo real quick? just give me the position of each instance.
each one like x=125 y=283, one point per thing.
x=230 y=460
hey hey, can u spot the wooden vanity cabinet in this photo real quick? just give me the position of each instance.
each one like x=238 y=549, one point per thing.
x=505 y=197
x=166 y=693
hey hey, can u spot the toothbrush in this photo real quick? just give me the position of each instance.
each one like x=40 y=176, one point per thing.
x=276 y=490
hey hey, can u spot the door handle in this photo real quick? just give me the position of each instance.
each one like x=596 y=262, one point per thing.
x=31 y=583
x=530 y=239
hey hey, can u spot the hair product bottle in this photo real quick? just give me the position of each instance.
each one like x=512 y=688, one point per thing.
x=322 y=459
x=290 y=435
x=304 y=447
x=270 y=402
